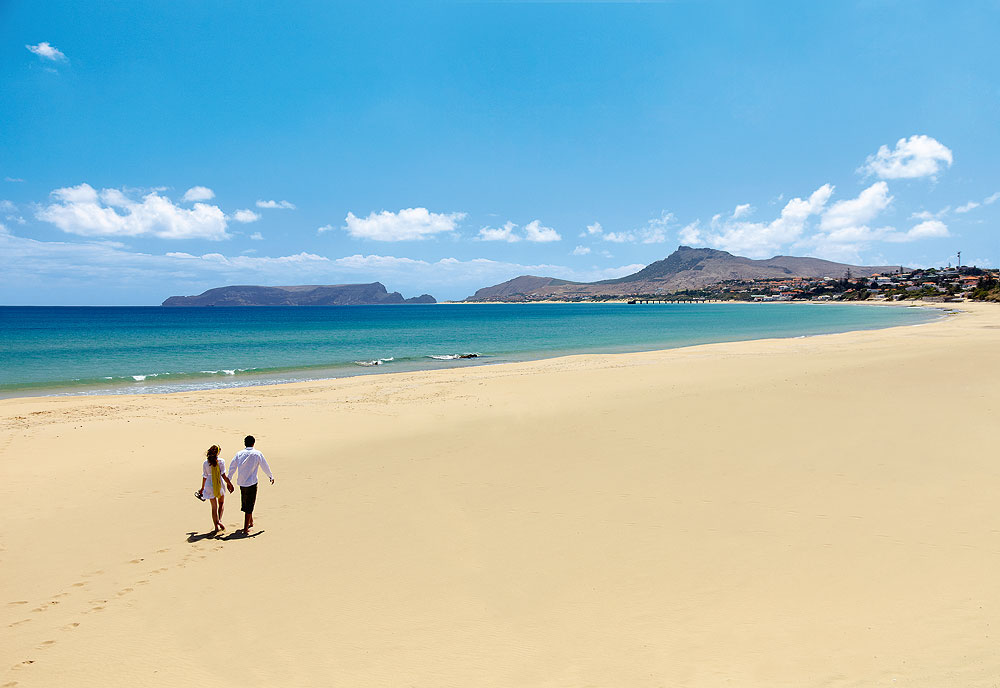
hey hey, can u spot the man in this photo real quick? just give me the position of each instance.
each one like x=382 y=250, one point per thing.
x=247 y=462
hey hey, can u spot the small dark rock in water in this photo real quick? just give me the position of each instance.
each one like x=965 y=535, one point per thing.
x=469 y=356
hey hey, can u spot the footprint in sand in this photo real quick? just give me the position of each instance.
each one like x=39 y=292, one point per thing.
x=96 y=609
x=136 y=561
x=46 y=643
x=125 y=591
x=71 y=626
x=10 y=684
x=161 y=551
x=18 y=623
x=142 y=582
x=79 y=585
x=18 y=602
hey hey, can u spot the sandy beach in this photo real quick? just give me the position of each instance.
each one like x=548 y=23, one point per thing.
x=797 y=512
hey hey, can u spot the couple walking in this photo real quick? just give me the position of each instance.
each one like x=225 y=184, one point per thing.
x=244 y=467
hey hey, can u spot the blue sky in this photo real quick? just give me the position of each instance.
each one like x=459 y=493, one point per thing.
x=158 y=149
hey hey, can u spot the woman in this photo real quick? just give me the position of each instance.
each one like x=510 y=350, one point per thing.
x=213 y=473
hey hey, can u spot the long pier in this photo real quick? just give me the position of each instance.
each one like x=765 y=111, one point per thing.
x=636 y=301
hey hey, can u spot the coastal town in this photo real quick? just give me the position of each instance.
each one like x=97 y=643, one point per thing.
x=949 y=284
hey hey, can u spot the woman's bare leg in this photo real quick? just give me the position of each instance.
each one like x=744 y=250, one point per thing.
x=215 y=512
x=222 y=506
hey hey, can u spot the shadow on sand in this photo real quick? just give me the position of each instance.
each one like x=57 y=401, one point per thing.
x=198 y=537
x=212 y=535
x=239 y=535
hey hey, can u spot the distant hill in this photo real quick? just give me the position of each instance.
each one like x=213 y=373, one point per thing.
x=303 y=295
x=685 y=268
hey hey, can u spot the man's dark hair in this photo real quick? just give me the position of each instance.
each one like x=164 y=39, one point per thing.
x=248 y=441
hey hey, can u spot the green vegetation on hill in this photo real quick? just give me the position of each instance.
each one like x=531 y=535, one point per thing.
x=987 y=289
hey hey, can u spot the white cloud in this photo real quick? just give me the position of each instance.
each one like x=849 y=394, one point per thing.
x=283 y=205
x=256 y=263
x=476 y=272
x=47 y=51
x=408 y=224
x=324 y=229
x=593 y=230
x=71 y=270
x=618 y=237
x=759 y=239
x=246 y=216
x=845 y=231
x=535 y=231
x=690 y=234
x=9 y=208
x=376 y=262
x=505 y=233
x=847 y=243
x=742 y=210
x=198 y=193
x=82 y=210
x=13 y=179
x=653 y=232
x=257 y=236
x=857 y=211
x=581 y=251
x=989 y=200
x=928 y=215
x=917 y=156
x=931 y=229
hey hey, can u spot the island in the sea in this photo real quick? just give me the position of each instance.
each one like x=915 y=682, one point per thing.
x=302 y=295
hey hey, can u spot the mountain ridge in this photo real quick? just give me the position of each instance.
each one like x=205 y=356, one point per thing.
x=685 y=268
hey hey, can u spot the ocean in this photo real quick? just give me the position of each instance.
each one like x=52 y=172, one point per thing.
x=125 y=350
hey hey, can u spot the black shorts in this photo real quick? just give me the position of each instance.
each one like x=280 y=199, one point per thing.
x=248 y=497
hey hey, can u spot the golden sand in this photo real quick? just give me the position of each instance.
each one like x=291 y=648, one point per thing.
x=798 y=512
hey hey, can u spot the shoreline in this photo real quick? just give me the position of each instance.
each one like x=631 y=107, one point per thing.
x=774 y=513
x=241 y=378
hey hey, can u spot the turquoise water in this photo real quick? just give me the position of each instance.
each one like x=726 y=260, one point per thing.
x=49 y=350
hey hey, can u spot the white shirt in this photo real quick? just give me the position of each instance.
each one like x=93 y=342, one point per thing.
x=206 y=473
x=247 y=462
